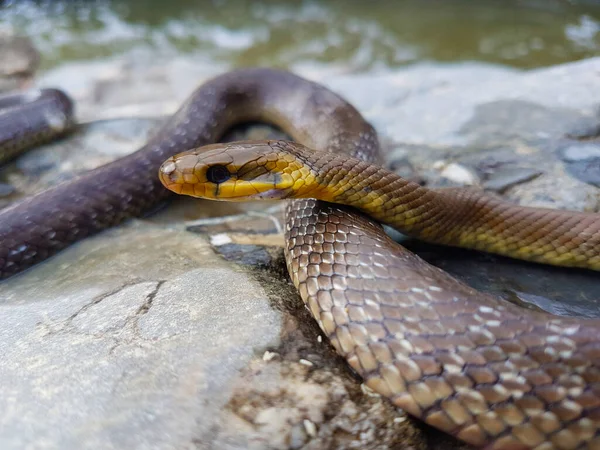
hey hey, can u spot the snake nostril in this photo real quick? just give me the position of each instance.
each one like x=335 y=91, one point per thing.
x=169 y=173
x=168 y=168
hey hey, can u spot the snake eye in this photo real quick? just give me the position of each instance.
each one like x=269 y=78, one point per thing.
x=217 y=174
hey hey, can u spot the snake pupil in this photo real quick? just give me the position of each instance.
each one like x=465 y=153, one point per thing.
x=217 y=174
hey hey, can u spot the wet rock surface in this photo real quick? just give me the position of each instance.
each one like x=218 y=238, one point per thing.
x=19 y=60
x=182 y=330
x=583 y=159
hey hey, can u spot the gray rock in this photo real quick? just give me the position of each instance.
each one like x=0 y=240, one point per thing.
x=6 y=189
x=587 y=171
x=120 y=348
x=581 y=152
x=19 y=59
x=499 y=181
x=582 y=159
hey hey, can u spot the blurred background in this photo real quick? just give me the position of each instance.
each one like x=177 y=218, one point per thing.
x=352 y=34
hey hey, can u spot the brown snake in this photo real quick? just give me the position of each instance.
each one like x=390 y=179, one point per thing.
x=474 y=366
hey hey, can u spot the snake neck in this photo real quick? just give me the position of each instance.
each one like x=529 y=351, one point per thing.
x=461 y=217
x=383 y=195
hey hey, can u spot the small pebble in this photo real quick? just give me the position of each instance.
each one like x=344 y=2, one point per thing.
x=310 y=427
x=581 y=152
x=6 y=189
x=406 y=170
x=298 y=437
x=306 y=362
x=268 y=356
x=458 y=174
x=220 y=239
x=35 y=162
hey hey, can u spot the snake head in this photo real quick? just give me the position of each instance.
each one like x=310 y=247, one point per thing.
x=239 y=171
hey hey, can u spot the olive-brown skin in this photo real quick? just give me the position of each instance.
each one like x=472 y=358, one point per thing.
x=467 y=363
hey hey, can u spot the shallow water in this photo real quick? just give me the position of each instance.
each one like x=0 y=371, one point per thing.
x=355 y=35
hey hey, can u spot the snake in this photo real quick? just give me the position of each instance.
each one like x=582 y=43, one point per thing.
x=33 y=118
x=488 y=372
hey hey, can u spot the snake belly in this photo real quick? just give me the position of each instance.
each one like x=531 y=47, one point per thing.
x=467 y=363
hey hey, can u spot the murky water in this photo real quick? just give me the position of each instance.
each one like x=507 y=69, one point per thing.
x=356 y=35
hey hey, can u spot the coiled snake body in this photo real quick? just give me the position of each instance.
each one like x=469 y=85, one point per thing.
x=474 y=366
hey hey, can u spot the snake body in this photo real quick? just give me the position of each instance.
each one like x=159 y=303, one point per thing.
x=467 y=363
x=33 y=118
x=483 y=370
x=460 y=217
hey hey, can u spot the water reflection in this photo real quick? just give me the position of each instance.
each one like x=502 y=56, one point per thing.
x=357 y=35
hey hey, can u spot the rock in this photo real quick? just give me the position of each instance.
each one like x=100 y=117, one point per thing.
x=405 y=169
x=182 y=329
x=446 y=106
x=583 y=162
x=254 y=255
x=587 y=171
x=6 y=190
x=585 y=131
x=456 y=173
x=94 y=340
x=19 y=60
x=581 y=152
x=500 y=181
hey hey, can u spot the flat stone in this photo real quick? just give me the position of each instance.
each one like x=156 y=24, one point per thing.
x=132 y=340
x=587 y=171
x=501 y=180
x=6 y=190
x=439 y=115
x=581 y=152
x=245 y=254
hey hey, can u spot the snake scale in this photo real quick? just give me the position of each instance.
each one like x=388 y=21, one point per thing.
x=474 y=366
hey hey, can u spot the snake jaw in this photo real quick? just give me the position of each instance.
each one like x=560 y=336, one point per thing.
x=271 y=194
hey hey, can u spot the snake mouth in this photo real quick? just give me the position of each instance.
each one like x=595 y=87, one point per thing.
x=271 y=194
